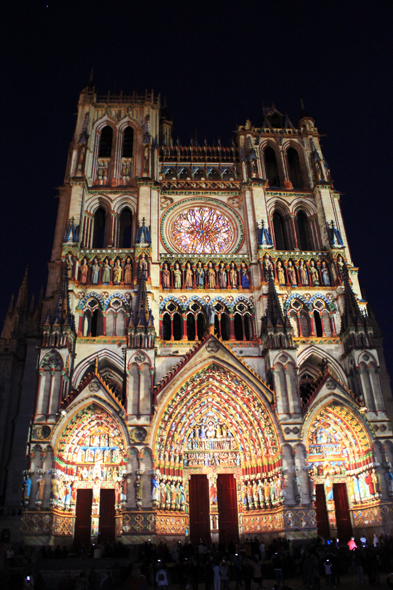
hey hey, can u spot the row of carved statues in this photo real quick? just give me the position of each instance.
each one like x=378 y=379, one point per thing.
x=258 y=493
x=168 y=493
x=303 y=273
x=205 y=276
x=106 y=271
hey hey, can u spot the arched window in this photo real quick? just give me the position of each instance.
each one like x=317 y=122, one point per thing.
x=128 y=142
x=190 y=326
x=238 y=327
x=225 y=326
x=166 y=327
x=99 y=228
x=279 y=232
x=110 y=323
x=304 y=323
x=125 y=227
x=177 y=322
x=201 y=326
x=303 y=231
x=271 y=167
x=106 y=139
x=318 y=324
x=326 y=323
x=294 y=168
x=96 y=323
x=294 y=323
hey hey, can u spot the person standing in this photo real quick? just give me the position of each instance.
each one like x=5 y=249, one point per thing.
x=216 y=577
x=161 y=578
x=224 y=573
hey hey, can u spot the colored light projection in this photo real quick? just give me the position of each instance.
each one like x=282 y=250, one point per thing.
x=215 y=419
x=91 y=446
x=202 y=230
x=338 y=449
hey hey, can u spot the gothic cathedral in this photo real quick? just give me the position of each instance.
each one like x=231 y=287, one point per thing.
x=202 y=364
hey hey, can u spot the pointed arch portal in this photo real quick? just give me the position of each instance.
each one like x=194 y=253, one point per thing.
x=342 y=469
x=88 y=472
x=217 y=452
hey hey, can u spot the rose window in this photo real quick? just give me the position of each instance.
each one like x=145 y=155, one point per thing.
x=202 y=230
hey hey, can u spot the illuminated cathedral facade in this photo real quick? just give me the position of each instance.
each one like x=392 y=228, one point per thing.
x=202 y=364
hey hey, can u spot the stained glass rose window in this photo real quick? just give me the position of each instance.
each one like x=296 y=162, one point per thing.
x=202 y=230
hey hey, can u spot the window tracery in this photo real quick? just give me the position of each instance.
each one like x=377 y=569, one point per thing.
x=202 y=230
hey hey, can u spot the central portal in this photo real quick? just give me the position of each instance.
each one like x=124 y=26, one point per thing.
x=227 y=508
x=199 y=509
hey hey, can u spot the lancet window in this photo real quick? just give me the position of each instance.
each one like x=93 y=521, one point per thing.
x=295 y=174
x=92 y=319
x=99 y=228
x=106 y=139
x=280 y=234
x=272 y=174
x=125 y=230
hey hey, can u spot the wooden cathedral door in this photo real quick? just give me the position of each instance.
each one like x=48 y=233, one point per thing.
x=343 y=517
x=227 y=508
x=199 y=509
x=84 y=500
x=321 y=511
x=107 y=516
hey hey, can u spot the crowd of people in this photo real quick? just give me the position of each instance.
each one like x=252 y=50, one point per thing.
x=251 y=565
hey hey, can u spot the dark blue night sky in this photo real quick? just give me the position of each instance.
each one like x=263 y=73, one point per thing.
x=214 y=62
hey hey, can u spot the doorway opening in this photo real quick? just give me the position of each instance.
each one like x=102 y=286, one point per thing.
x=107 y=516
x=84 y=500
x=227 y=508
x=199 y=509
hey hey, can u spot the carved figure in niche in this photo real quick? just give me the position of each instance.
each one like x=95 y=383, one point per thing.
x=291 y=274
x=177 y=277
x=222 y=276
x=340 y=266
x=67 y=499
x=303 y=273
x=200 y=276
x=84 y=271
x=55 y=488
x=232 y=276
x=213 y=492
x=314 y=274
x=260 y=493
x=266 y=491
x=95 y=273
x=249 y=494
x=40 y=488
x=182 y=496
x=27 y=488
x=325 y=274
x=128 y=271
x=61 y=491
x=244 y=496
x=280 y=273
x=368 y=480
x=267 y=267
x=143 y=265
x=211 y=277
x=68 y=263
x=166 y=277
x=244 y=276
x=255 y=493
x=155 y=490
x=106 y=273
x=162 y=494
x=329 y=488
x=189 y=277
x=117 y=273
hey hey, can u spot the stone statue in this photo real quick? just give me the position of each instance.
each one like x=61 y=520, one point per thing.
x=189 y=279
x=200 y=276
x=40 y=488
x=128 y=272
x=68 y=262
x=55 y=488
x=106 y=274
x=222 y=276
x=280 y=273
x=291 y=274
x=314 y=274
x=232 y=276
x=155 y=491
x=117 y=273
x=244 y=276
x=211 y=276
x=340 y=266
x=143 y=265
x=325 y=274
x=166 y=277
x=177 y=277
x=84 y=271
x=267 y=267
x=303 y=273
x=95 y=272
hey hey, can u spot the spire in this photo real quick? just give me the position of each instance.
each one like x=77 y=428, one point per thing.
x=22 y=300
x=357 y=330
x=8 y=321
x=35 y=317
x=276 y=327
x=304 y=114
